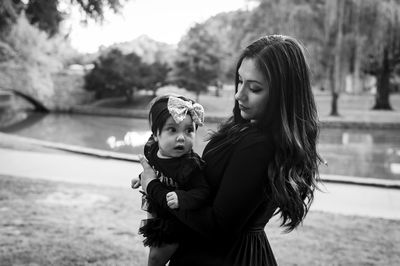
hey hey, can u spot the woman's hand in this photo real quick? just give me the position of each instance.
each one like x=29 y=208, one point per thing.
x=148 y=173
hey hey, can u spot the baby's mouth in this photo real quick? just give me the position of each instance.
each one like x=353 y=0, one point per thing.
x=179 y=148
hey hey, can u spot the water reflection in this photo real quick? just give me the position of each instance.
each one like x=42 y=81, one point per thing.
x=395 y=168
x=133 y=139
x=365 y=153
x=349 y=152
x=126 y=135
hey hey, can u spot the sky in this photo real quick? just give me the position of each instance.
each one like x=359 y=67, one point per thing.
x=162 y=20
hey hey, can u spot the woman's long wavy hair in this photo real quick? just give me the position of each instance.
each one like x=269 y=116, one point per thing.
x=290 y=118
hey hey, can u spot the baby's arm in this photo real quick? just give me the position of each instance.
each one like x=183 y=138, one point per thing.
x=195 y=194
x=193 y=197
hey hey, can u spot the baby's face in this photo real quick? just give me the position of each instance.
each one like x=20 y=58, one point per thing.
x=175 y=140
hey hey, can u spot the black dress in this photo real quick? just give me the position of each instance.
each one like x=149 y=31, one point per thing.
x=231 y=230
x=184 y=175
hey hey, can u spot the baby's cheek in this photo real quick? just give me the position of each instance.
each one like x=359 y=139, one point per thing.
x=190 y=142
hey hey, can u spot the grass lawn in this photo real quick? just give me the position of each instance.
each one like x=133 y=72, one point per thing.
x=351 y=107
x=54 y=223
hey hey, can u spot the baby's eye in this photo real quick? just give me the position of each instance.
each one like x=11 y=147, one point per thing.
x=190 y=130
x=171 y=129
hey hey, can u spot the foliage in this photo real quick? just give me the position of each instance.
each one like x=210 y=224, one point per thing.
x=44 y=14
x=148 y=49
x=31 y=59
x=34 y=47
x=235 y=30
x=226 y=30
x=47 y=15
x=9 y=11
x=116 y=74
x=384 y=48
x=157 y=75
x=33 y=55
x=346 y=39
x=197 y=62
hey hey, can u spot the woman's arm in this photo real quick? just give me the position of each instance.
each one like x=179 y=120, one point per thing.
x=196 y=194
x=241 y=190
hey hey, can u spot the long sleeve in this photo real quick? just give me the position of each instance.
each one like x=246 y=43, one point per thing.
x=196 y=194
x=240 y=192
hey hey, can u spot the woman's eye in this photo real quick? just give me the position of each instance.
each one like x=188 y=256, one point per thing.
x=255 y=89
x=240 y=81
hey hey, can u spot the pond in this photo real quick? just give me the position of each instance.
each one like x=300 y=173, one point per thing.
x=370 y=153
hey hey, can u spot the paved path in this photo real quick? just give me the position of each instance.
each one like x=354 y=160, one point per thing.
x=70 y=167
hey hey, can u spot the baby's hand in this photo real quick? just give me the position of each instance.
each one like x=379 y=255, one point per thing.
x=135 y=182
x=172 y=200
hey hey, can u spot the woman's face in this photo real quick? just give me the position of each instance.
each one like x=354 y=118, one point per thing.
x=252 y=92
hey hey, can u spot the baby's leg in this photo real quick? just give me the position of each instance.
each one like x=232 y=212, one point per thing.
x=159 y=256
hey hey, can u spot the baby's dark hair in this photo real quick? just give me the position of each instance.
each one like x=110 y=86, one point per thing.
x=159 y=113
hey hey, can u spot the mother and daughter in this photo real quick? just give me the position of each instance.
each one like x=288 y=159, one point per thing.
x=259 y=163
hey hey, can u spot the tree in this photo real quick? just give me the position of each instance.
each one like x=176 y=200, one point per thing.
x=156 y=76
x=117 y=74
x=384 y=52
x=197 y=63
x=9 y=11
x=47 y=14
x=335 y=31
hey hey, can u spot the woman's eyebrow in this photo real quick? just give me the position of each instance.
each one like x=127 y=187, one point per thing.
x=250 y=80
x=254 y=81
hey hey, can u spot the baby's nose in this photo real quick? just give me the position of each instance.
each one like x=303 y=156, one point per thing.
x=180 y=138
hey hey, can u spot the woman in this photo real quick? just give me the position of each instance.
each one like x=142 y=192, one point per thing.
x=261 y=162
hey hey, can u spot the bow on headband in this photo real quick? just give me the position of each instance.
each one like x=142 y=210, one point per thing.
x=179 y=108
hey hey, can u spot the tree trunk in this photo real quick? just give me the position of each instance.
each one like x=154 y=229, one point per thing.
x=356 y=77
x=383 y=86
x=337 y=68
x=334 y=104
x=98 y=95
x=129 y=95
x=218 y=88
x=334 y=93
x=197 y=96
x=356 y=82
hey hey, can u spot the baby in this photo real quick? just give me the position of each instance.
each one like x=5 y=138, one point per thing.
x=173 y=121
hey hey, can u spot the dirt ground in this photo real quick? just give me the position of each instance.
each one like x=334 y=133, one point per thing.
x=55 y=223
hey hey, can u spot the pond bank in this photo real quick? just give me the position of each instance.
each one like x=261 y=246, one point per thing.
x=348 y=199
x=348 y=119
x=18 y=141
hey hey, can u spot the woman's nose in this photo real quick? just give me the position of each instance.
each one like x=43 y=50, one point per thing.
x=239 y=93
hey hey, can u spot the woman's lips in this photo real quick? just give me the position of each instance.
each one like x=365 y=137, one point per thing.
x=242 y=107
